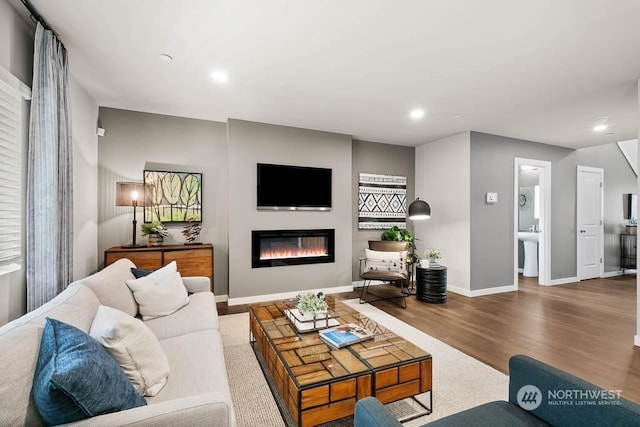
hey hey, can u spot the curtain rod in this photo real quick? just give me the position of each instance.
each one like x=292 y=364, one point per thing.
x=35 y=16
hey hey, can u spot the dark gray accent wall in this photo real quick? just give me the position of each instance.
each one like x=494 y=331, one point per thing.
x=135 y=140
x=251 y=143
x=385 y=159
x=492 y=167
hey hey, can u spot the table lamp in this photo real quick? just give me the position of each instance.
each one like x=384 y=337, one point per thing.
x=128 y=194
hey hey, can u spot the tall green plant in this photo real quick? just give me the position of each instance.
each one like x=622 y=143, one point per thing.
x=397 y=234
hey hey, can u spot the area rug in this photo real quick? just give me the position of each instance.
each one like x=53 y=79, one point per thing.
x=459 y=381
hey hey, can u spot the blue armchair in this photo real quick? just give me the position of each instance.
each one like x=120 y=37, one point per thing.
x=550 y=396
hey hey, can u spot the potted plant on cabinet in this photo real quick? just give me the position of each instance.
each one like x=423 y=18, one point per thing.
x=155 y=231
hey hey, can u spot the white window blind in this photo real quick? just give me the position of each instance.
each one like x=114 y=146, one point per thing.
x=10 y=171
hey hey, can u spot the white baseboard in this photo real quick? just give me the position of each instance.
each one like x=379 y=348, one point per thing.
x=521 y=270
x=222 y=298
x=360 y=283
x=482 y=292
x=612 y=274
x=562 y=281
x=636 y=340
x=285 y=295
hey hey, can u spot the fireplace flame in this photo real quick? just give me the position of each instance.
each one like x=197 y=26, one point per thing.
x=279 y=253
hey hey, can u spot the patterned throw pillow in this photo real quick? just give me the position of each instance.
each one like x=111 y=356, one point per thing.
x=77 y=378
x=395 y=262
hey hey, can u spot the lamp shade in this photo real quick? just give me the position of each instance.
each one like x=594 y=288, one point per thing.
x=128 y=192
x=419 y=210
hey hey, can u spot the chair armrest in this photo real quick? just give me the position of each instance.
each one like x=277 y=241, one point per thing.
x=371 y=413
x=197 y=284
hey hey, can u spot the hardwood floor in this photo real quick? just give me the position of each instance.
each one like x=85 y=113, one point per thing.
x=584 y=328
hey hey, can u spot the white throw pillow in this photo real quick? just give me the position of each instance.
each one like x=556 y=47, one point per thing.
x=160 y=293
x=132 y=344
x=385 y=261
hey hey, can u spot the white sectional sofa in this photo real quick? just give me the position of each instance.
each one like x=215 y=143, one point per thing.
x=197 y=389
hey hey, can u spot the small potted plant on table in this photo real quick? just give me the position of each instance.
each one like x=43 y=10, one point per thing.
x=312 y=306
x=155 y=231
x=432 y=256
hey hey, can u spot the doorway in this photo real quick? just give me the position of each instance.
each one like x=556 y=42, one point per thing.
x=589 y=223
x=537 y=204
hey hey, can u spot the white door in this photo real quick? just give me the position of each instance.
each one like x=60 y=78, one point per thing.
x=589 y=222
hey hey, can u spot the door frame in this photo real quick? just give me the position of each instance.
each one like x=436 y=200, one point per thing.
x=544 y=222
x=600 y=229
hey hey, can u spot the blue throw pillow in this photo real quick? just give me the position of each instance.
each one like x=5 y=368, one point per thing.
x=140 y=272
x=77 y=378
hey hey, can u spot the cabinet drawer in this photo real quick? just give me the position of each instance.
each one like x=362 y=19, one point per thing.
x=146 y=259
x=193 y=262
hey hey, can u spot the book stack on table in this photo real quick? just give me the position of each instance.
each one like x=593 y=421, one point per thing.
x=344 y=335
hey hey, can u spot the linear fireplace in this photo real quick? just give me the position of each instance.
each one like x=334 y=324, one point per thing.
x=274 y=248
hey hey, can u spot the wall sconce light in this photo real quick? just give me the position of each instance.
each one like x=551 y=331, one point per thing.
x=129 y=194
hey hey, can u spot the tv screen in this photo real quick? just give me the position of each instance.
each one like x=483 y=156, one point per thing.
x=287 y=187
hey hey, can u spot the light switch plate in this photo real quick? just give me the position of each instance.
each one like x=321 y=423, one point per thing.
x=492 y=198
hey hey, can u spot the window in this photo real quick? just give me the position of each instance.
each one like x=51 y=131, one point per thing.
x=12 y=91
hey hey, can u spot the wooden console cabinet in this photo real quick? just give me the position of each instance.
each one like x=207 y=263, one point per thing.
x=192 y=260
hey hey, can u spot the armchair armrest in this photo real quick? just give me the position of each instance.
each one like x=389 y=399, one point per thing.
x=197 y=284
x=371 y=413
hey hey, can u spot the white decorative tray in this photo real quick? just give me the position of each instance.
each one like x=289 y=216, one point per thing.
x=309 y=322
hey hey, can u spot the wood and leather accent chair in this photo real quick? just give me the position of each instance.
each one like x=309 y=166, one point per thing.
x=385 y=261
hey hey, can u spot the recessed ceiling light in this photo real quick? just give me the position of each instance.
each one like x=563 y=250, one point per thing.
x=220 y=76
x=600 y=127
x=164 y=57
x=416 y=114
x=457 y=116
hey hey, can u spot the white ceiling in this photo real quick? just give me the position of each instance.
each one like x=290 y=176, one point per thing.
x=538 y=70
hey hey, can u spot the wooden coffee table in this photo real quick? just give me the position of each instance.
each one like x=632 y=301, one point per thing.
x=317 y=383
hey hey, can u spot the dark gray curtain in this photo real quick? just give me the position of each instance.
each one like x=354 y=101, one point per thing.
x=49 y=174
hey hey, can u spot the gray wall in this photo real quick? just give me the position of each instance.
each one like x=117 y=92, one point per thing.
x=384 y=159
x=251 y=143
x=135 y=140
x=85 y=181
x=492 y=225
x=443 y=180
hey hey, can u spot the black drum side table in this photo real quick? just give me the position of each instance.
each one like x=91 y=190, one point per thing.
x=431 y=284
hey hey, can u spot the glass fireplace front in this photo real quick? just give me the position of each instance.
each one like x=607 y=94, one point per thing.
x=274 y=248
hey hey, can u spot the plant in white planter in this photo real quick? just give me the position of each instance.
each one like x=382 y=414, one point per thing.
x=432 y=256
x=312 y=305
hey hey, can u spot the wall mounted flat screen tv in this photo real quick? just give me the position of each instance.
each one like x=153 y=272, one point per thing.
x=293 y=187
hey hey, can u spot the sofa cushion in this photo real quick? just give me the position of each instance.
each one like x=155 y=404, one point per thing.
x=110 y=286
x=159 y=293
x=204 y=371
x=134 y=347
x=199 y=315
x=76 y=377
x=19 y=356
